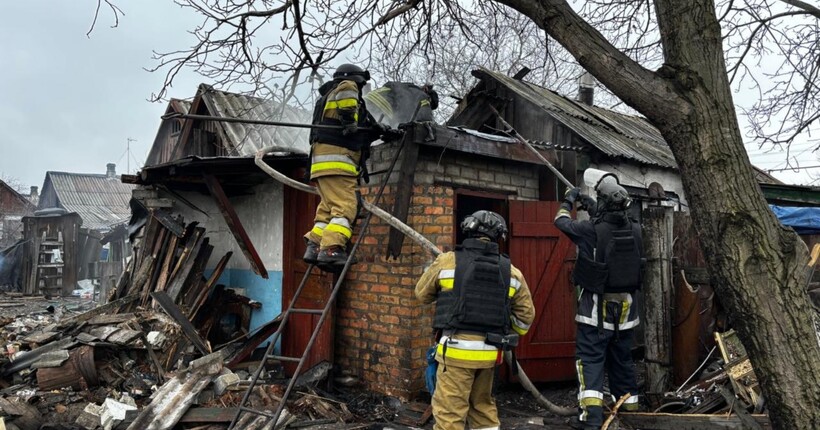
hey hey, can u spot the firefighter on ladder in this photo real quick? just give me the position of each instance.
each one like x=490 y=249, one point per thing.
x=607 y=274
x=338 y=159
x=483 y=305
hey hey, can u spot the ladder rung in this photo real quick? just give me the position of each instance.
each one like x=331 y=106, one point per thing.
x=307 y=311
x=256 y=411
x=283 y=358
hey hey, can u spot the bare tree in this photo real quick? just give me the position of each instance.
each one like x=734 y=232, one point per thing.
x=675 y=62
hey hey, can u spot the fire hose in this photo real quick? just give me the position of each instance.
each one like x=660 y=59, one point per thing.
x=426 y=244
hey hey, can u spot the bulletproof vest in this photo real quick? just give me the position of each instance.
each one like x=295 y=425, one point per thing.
x=335 y=137
x=479 y=301
x=617 y=264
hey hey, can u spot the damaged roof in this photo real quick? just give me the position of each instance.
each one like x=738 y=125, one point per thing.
x=247 y=139
x=100 y=200
x=615 y=134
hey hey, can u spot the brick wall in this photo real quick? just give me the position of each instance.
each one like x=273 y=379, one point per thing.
x=382 y=332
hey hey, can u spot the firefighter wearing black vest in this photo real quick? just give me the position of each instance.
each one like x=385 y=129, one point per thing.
x=483 y=305
x=338 y=159
x=607 y=274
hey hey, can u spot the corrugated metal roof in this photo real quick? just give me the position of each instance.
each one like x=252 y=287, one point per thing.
x=613 y=133
x=99 y=200
x=247 y=139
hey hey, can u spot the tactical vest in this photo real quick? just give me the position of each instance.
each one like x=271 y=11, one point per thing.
x=479 y=301
x=617 y=265
x=335 y=137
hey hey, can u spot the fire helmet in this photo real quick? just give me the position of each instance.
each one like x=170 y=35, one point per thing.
x=485 y=223
x=612 y=196
x=351 y=72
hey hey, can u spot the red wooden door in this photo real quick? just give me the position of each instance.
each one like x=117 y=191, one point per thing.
x=545 y=256
x=299 y=209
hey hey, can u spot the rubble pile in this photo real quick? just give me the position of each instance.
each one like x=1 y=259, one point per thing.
x=155 y=356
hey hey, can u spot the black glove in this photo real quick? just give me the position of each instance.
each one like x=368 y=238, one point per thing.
x=572 y=195
x=392 y=134
x=587 y=204
x=350 y=128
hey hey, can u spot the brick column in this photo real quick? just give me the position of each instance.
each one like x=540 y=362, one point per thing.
x=382 y=331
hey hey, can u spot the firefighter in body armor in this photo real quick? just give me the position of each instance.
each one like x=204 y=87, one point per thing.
x=482 y=305
x=607 y=274
x=337 y=160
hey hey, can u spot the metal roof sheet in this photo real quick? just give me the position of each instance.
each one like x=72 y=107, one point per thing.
x=613 y=133
x=247 y=139
x=100 y=200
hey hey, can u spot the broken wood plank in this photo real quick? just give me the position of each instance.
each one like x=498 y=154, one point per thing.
x=110 y=319
x=651 y=421
x=196 y=279
x=160 y=248
x=186 y=264
x=235 y=225
x=99 y=310
x=166 y=220
x=209 y=285
x=176 y=396
x=166 y=265
x=404 y=193
x=261 y=335
x=187 y=328
x=209 y=415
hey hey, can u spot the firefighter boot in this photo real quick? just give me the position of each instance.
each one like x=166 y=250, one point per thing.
x=311 y=252
x=332 y=259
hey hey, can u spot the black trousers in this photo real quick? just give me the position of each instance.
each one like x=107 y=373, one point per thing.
x=597 y=351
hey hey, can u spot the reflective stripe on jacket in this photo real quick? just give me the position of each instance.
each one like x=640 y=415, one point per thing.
x=329 y=160
x=625 y=314
x=465 y=349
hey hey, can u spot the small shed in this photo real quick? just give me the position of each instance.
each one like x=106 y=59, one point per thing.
x=74 y=211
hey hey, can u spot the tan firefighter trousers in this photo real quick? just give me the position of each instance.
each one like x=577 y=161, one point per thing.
x=464 y=395
x=336 y=212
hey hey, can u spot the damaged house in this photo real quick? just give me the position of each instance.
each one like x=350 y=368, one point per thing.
x=201 y=172
x=64 y=236
x=13 y=207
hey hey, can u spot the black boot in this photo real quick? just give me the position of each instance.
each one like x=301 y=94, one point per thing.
x=311 y=252
x=576 y=423
x=332 y=259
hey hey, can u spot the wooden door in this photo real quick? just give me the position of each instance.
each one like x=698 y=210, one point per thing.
x=299 y=209
x=546 y=257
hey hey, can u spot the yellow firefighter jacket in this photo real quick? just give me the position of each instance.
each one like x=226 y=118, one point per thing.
x=469 y=350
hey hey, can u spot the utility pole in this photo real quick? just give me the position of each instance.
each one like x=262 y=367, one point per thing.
x=128 y=153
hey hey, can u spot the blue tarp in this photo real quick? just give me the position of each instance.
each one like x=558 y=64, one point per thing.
x=802 y=220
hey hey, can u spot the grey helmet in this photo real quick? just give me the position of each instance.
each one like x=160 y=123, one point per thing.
x=485 y=223
x=612 y=197
x=351 y=72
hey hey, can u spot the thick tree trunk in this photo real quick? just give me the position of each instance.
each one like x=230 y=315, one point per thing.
x=756 y=264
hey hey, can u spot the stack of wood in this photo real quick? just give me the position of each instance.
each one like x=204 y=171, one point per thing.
x=166 y=271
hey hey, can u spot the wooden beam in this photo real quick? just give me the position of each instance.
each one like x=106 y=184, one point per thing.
x=657 y=291
x=206 y=290
x=652 y=421
x=232 y=219
x=208 y=415
x=404 y=193
x=187 y=328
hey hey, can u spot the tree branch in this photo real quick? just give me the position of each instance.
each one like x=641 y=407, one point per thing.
x=808 y=8
x=642 y=89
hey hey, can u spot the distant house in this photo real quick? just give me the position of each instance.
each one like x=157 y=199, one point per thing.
x=13 y=207
x=74 y=211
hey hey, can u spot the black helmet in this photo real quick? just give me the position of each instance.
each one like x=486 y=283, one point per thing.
x=612 y=196
x=351 y=72
x=485 y=223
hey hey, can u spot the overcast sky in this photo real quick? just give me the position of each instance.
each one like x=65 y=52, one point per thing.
x=69 y=102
